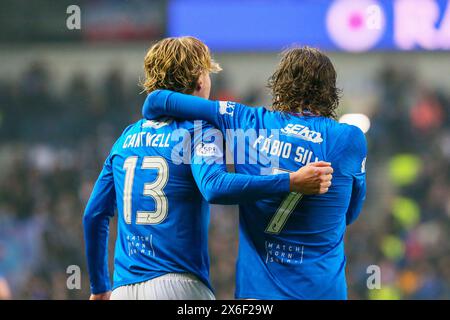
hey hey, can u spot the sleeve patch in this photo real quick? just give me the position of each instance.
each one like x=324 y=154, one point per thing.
x=208 y=150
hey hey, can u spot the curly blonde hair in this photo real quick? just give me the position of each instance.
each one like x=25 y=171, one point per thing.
x=176 y=64
x=305 y=80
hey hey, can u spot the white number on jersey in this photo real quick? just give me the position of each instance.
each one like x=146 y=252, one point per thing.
x=285 y=209
x=153 y=189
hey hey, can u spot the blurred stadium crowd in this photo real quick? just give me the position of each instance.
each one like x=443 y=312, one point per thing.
x=52 y=146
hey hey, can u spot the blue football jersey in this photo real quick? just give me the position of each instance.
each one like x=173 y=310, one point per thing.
x=158 y=175
x=290 y=247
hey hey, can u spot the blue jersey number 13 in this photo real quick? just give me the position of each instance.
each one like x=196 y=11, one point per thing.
x=153 y=189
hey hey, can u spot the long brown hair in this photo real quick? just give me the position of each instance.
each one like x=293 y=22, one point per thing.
x=305 y=80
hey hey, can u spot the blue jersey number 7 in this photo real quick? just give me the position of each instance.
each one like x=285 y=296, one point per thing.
x=285 y=209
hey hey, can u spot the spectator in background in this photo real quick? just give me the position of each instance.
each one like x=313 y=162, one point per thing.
x=5 y=292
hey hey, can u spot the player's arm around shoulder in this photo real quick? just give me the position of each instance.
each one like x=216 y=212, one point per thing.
x=224 y=115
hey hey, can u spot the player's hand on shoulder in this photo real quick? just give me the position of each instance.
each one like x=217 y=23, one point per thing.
x=314 y=178
x=101 y=296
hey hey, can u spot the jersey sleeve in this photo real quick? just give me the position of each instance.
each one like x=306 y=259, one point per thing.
x=220 y=187
x=352 y=163
x=221 y=114
x=99 y=209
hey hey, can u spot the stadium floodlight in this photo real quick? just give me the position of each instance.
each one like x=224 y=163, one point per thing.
x=357 y=119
